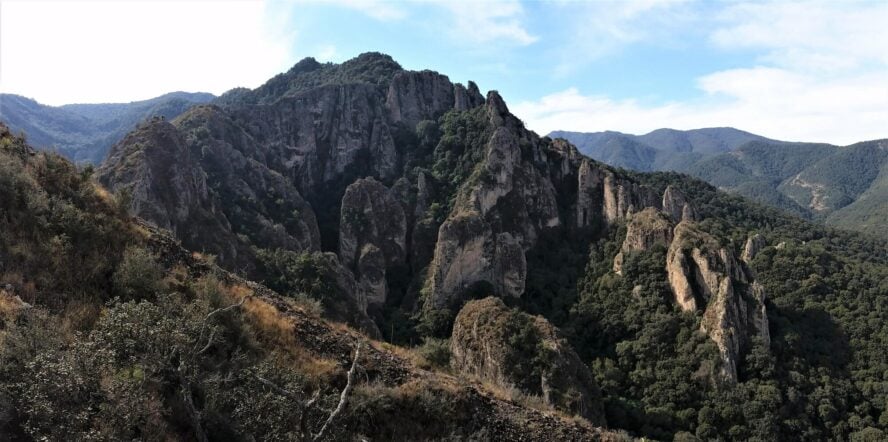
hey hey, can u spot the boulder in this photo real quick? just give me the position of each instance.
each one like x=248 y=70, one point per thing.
x=515 y=350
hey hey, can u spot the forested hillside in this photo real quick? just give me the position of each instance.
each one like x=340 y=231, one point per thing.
x=499 y=285
x=842 y=186
x=84 y=132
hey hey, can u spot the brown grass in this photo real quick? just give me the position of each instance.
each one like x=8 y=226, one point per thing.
x=277 y=331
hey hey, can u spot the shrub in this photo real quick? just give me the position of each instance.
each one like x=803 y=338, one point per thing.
x=138 y=276
x=436 y=352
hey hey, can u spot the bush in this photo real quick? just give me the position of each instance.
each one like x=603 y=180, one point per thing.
x=138 y=276
x=436 y=352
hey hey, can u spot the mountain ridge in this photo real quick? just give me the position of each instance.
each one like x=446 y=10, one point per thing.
x=84 y=132
x=422 y=212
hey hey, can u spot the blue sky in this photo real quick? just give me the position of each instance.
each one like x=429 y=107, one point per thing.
x=807 y=71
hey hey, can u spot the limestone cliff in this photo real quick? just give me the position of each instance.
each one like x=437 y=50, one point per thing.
x=677 y=206
x=706 y=277
x=496 y=218
x=372 y=235
x=482 y=345
x=607 y=197
x=167 y=187
x=644 y=230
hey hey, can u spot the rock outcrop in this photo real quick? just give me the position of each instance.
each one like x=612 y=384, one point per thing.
x=496 y=218
x=480 y=346
x=706 y=277
x=606 y=197
x=372 y=236
x=644 y=230
x=425 y=95
x=199 y=177
x=754 y=245
x=677 y=206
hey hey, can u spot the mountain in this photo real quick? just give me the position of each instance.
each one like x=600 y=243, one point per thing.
x=109 y=329
x=523 y=290
x=85 y=132
x=811 y=180
x=662 y=149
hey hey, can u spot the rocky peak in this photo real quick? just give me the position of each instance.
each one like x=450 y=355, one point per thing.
x=164 y=180
x=706 y=277
x=754 y=244
x=466 y=99
x=416 y=96
x=481 y=346
x=644 y=230
x=676 y=204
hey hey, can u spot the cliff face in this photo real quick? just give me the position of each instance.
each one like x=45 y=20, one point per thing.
x=706 y=277
x=481 y=345
x=644 y=230
x=154 y=164
x=372 y=236
x=395 y=171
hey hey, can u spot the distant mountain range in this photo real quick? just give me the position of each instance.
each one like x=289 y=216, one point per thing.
x=85 y=132
x=844 y=186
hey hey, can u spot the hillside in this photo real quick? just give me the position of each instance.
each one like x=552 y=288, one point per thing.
x=679 y=300
x=817 y=181
x=110 y=330
x=662 y=149
x=85 y=132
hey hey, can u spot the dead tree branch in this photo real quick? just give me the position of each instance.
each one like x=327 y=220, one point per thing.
x=343 y=397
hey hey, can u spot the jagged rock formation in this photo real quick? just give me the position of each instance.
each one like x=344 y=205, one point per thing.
x=455 y=213
x=480 y=346
x=706 y=277
x=754 y=244
x=604 y=195
x=496 y=217
x=677 y=206
x=168 y=188
x=643 y=231
x=372 y=235
x=197 y=180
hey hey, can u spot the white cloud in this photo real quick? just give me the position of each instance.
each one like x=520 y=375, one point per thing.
x=379 y=9
x=817 y=36
x=64 y=52
x=487 y=21
x=821 y=75
x=600 y=28
x=767 y=101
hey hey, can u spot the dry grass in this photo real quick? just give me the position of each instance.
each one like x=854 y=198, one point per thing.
x=104 y=195
x=277 y=331
x=80 y=316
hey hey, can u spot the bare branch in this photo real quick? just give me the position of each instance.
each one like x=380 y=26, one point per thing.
x=343 y=397
x=276 y=388
x=206 y=321
x=193 y=414
x=303 y=419
x=209 y=343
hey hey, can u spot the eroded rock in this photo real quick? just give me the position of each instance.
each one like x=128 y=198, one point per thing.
x=706 y=277
x=480 y=346
x=644 y=230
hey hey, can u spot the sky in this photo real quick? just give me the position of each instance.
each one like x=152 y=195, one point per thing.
x=798 y=71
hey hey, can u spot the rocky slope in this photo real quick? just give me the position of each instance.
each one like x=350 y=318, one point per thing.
x=707 y=278
x=208 y=355
x=425 y=195
x=430 y=194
